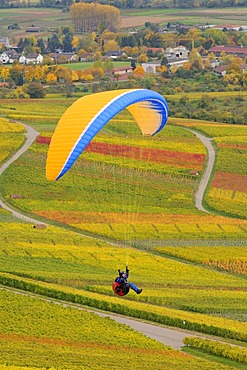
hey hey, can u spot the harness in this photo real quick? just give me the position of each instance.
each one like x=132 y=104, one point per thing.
x=120 y=289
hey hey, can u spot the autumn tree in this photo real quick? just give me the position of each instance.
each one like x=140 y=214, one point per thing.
x=195 y=60
x=63 y=74
x=111 y=45
x=34 y=90
x=51 y=78
x=139 y=71
x=16 y=74
x=143 y=58
x=94 y=17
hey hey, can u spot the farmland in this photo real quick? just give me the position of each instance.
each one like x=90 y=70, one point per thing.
x=51 y=342
x=137 y=192
x=44 y=18
x=131 y=18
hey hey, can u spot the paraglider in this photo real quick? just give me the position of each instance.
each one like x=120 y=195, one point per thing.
x=82 y=121
x=89 y=114
x=121 y=286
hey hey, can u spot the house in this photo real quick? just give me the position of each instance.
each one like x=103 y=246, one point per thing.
x=86 y=57
x=122 y=73
x=14 y=26
x=238 y=51
x=229 y=27
x=4 y=41
x=179 y=52
x=34 y=29
x=9 y=56
x=152 y=66
x=31 y=59
x=64 y=57
x=155 y=51
x=221 y=70
x=122 y=70
x=115 y=54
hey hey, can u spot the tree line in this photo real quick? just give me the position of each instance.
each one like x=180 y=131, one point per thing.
x=94 y=17
x=128 y=4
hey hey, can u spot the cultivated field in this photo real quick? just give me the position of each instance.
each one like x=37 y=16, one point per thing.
x=137 y=192
x=44 y=18
x=224 y=16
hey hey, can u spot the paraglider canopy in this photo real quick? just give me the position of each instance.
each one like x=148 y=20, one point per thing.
x=89 y=114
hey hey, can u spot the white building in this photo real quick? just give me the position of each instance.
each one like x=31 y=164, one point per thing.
x=150 y=67
x=31 y=59
x=8 y=57
x=179 y=52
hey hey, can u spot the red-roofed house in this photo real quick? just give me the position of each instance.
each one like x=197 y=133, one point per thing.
x=122 y=72
x=233 y=50
x=221 y=70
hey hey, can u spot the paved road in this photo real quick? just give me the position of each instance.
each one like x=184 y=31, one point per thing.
x=169 y=337
x=206 y=176
x=166 y=336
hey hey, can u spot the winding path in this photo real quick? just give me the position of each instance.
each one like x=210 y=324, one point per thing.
x=31 y=135
x=207 y=142
x=171 y=337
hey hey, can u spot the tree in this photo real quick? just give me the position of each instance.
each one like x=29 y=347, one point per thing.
x=18 y=93
x=16 y=74
x=133 y=64
x=34 y=90
x=193 y=34
x=63 y=74
x=4 y=75
x=54 y=43
x=94 y=17
x=196 y=60
x=51 y=78
x=111 y=45
x=108 y=66
x=143 y=58
x=67 y=42
x=139 y=71
x=41 y=45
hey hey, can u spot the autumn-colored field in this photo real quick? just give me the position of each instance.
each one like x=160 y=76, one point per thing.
x=153 y=210
x=230 y=181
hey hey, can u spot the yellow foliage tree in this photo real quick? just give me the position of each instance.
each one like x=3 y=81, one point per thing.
x=139 y=71
x=161 y=69
x=111 y=45
x=4 y=73
x=51 y=78
x=75 y=42
x=187 y=65
x=75 y=76
x=63 y=74
x=86 y=77
x=143 y=58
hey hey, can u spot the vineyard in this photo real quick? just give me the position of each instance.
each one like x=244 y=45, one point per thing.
x=51 y=343
x=137 y=193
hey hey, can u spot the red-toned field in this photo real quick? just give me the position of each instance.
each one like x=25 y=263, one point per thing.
x=230 y=181
x=185 y=160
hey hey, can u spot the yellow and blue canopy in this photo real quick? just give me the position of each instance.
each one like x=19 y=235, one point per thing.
x=89 y=114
